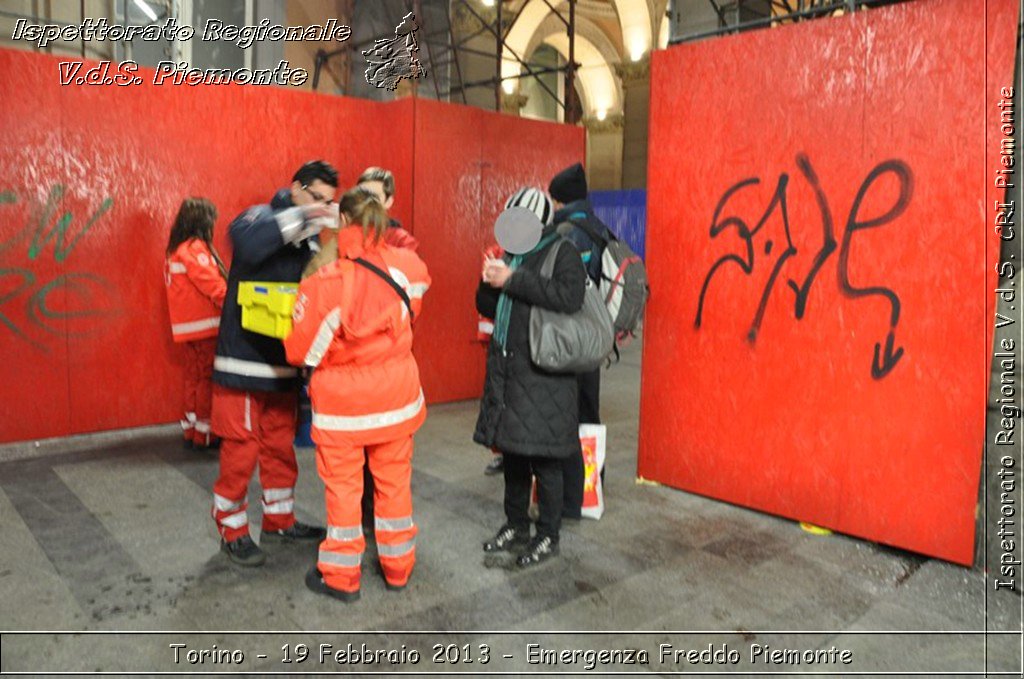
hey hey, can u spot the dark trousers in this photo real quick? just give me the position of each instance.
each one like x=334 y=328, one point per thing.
x=367 y=501
x=590 y=396
x=589 y=385
x=519 y=471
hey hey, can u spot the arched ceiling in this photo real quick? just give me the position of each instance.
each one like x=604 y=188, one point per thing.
x=600 y=88
x=594 y=52
x=634 y=16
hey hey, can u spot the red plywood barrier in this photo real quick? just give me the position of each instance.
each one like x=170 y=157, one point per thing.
x=447 y=217
x=817 y=341
x=90 y=181
x=468 y=162
x=33 y=188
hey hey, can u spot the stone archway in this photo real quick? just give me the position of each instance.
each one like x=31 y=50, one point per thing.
x=635 y=22
x=600 y=90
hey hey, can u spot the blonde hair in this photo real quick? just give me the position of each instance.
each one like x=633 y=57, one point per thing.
x=379 y=174
x=362 y=207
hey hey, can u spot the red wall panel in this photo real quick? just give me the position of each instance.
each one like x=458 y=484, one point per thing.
x=84 y=331
x=33 y=185
x=825 y=205
x=468 y=162
x=447 y=217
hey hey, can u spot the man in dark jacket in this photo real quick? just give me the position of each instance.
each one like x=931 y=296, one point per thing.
x=526 y=413
x=568 y=190
x=255 y=389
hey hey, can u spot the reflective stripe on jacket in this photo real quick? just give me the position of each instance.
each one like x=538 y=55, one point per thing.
x=195 y=291
x=355 y=330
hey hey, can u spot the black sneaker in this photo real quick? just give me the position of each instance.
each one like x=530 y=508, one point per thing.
x=496 y=466
x=315 y=583
x=540 y=549
x=508 y=539
x=213 y=444
x=297 y=532
x=243 y=551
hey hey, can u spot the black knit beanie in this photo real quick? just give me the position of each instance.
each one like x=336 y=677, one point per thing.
x=568 y=185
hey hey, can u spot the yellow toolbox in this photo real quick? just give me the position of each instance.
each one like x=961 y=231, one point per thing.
x=267 y=307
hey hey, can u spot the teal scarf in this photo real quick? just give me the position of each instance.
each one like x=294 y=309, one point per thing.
x=504 y=312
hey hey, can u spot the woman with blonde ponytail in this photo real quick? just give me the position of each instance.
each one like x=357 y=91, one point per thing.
x=358 y=206
x=353 y=326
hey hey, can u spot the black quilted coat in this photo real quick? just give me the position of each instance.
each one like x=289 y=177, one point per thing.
x=525 y=410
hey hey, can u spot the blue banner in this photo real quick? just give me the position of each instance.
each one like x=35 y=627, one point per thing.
x=625 y=213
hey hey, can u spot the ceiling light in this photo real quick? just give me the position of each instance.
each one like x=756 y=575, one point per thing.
x=144 y=6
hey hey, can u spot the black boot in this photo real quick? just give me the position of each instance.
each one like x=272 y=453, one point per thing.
x=541 y=548
x=315 y=583
x=495 y=466
x=297 y=532
x=243 y=551
x=508 y=539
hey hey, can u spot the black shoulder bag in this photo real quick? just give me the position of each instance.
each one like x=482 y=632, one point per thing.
x=390 y=281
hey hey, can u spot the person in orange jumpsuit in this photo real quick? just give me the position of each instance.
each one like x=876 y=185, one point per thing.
x=196 y=285
x=353 y=325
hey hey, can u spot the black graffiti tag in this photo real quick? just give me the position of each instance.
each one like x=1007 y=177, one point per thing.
x=885 y=356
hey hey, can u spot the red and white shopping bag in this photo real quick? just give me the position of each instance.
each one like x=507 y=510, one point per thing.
x=593 y=438
x=592 y=441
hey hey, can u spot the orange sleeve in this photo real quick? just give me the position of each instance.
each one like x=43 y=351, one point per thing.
x=419 y=283
x=397 y=237
x=201 y=268
x=315 y=321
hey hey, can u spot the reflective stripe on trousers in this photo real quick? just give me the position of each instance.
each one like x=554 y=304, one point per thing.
x=341 y=555
x=343 y=560
x=404 y=523
x=394 y=551
x=229 y=514
x=345 y=534
x=278 y=500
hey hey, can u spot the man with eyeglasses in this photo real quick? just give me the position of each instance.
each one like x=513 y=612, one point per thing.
x=255 y=389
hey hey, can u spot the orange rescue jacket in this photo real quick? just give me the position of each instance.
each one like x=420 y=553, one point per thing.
x=356 y=332
x=195 y=291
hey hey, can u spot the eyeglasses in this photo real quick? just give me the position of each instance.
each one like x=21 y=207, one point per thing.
x=326 y=200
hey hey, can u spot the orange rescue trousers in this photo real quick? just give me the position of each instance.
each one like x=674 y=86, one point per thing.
x=198 y=389
x=341 y=469
x=255 y=426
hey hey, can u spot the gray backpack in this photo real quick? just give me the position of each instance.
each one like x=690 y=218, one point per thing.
x=623 y=284
x=573 y=343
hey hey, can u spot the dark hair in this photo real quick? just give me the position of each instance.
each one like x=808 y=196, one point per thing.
x=362 y=207
x=316 y=169
x=195 y=219
x=379 y=174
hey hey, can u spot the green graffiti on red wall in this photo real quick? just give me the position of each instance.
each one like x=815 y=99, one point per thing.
x=29 y=309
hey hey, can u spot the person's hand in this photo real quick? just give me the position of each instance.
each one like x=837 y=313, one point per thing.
x=316 y=217
x=496 y=273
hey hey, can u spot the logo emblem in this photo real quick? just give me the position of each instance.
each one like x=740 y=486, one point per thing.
x=299 y=312
x=392 y=59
